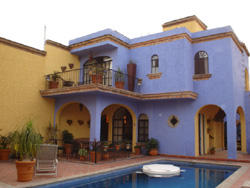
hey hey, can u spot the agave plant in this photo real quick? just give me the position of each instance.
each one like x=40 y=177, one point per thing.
x=26 y=140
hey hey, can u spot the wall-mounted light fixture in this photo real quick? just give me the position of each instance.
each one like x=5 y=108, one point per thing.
x=139 y=81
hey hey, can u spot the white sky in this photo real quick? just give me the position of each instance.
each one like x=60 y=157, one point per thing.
x=23 y=21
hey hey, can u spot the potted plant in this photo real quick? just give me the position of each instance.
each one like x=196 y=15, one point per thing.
x=95 y=151
x=131 y=71
x=25 y=141
x=119 y=79
x=117 y=145
x=4 y=151
x=152 y=145
x=105 y=146
x=137 y=150
x=53 y=83
x=68 y=83
x=96 y=73
x=82 y=152
x=68 y=139
x=212 y=150
x=111 y=146
x=127 y=143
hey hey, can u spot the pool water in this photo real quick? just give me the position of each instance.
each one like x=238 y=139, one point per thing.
x=194 y=176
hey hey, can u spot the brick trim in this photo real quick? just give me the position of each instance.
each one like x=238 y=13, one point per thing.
x=154 y=76
x=198 y=77
x=162 y=40
x=113 y=90
x=183 y=20
x=22 y=47
x=56 y=44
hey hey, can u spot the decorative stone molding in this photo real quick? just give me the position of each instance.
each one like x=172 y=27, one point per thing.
x=199 y=77
x=154 y=76
x=173 y=121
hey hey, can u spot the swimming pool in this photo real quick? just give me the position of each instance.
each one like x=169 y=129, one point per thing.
x=195 y=175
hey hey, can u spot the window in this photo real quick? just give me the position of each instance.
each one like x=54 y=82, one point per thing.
x=154 y=64
x=143 y=128
x=201 y=63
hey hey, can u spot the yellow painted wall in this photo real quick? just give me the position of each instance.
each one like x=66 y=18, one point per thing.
x=21 y=79
x=192 y=26
x=72 y=112
x=57 y=57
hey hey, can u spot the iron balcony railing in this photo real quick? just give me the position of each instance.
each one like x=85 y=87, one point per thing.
x=92 y=75
x=94 y=151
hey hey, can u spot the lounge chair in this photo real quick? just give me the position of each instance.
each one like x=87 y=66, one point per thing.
x=46 y=160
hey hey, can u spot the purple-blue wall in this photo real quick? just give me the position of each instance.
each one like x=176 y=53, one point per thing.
x=225 y=88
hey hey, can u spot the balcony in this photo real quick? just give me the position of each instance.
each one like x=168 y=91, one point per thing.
x=89 y=79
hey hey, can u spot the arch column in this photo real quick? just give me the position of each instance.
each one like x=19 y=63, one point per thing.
x=95 y=122
x=231 y=135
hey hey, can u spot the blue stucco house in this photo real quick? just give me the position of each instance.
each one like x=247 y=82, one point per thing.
x=191 y=89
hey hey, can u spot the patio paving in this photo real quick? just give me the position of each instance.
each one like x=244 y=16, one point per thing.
x=69 y=170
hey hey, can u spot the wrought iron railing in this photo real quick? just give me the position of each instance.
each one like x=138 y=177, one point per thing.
x=96 y=151
x=92 y=75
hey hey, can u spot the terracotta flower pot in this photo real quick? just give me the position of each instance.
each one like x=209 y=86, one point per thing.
x=117 y=147
x=137 y=151
x=63 y=68
x=25 y=170
x=4 y=154
x=153 y=152
x=68 y=148
x=53 y=84
x=119 y=84
x=82 y=158
x=97 y=78
x=131 y=71
x=92 y=155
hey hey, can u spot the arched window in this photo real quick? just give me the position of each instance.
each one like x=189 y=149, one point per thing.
x=201 y=63
x=102 y=61
x=154 y=64
x=143 y=128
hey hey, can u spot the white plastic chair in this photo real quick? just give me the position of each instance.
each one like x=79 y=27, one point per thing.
x=46 y=160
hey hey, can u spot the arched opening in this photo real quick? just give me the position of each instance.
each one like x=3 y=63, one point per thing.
x=241 y=130
x=122 y=125
x=210 y=130
x=246 y=80
x=143 y=128
x=75 y=118
x=102 y=65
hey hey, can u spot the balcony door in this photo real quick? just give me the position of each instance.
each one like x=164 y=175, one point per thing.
x=102 y=61
x=122 y=125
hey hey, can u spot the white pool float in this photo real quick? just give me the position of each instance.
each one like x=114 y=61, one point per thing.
x=161 y=170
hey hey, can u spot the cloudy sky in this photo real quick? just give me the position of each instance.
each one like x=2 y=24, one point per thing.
x=23 y=21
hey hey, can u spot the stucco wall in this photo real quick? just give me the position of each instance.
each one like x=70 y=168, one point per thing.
x=22 y=77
